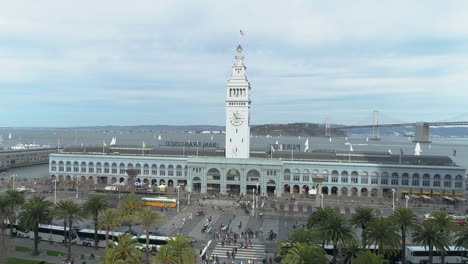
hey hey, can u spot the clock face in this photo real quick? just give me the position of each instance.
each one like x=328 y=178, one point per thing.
x=237 y=118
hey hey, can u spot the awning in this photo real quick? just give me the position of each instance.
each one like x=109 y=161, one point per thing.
x=436 y=193
x=426 y=192
x=448 y=193
x=405 y=191
x=460 y=199
x=447 y=198
x=426 y=197
x=458 y=194
x=415 y=192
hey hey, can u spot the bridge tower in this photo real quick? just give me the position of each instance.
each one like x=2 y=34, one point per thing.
x=375 y=126
x=421 y=134
x=327 y=128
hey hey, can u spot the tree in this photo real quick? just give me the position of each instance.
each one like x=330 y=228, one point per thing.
x=109 y=219
x=304 y=254
x=384 y=234
x=128 y=207
x=405 y=219
x=147 y=217
x=362 y=219
x=124 y=252
x=335 y=229
x=4 y=211
x=309 y=237
x=60 y=212
x=461 y=237
x=180 y=248
x=164 y=256
x=34 y=212
x=368 y=257
x=15 y=199
x=445 y=223
x=70 y=212
x=319 y=216
x=429 y=235
x=350 y=250
x=93 y=207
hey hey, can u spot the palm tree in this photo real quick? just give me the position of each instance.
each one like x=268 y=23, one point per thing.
x=305 y=254
x=147 y=217
x=445 y=223
x=60 y=212
x=309 y=237
x=164 y=256
x=461 y=237
x=15 y=200
x=368 y=257
x=180 y=248
x=334 y=229
x=109 y=219
x=361 y=219
x=34 y=212
x=429 y=235
x=71 y=212
x=3 y=211
x=128 y=207
x=384 y=234
x=111 y=257
x=125 y=250
x=350 y=250
x=318 y=216
x=405 y=219
x=93 y=207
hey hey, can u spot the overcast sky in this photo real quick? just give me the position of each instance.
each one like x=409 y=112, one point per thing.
x=80 y=63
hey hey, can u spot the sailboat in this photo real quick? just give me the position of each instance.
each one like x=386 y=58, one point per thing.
x=1 y=138
x=9 y=136
x=159 y=137
x=299 y=137
x=429 y=146
x=417 y=150
x=346 y=139
x=367 y=139
x=211 y=137
x=329 y=139
x=276 y=142
x=113 y=141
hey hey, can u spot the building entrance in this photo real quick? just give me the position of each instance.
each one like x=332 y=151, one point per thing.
x=253 y=187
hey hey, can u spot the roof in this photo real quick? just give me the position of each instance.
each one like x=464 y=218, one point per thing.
x=318 y=155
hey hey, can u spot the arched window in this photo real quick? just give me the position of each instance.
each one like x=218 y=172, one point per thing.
x=106 y=168
x=415 y=180
x=146 y=169
x=384 y=178
x=296 y=175
x=374 y=178
x=114 y=168
x=68 y=166
x=395 y=177
x=405 y=179
x=179 y=171
x=213 y=174
x=344 y=177
x=162 y=170
x=364 y=177
x=305 y=176
x=83 y=166
x=122 y=168
x=76 y=166
x=458 y=181
x=325 y=175
x=436 y=181
x=448 y=181
x=287 y=175
x=154 y=169
x=91 y=167
x=426 y=180
x=354 y=177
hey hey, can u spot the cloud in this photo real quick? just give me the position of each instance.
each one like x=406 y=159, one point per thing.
x=355 y=56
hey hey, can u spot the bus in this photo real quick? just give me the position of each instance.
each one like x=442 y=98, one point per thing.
x=86 y=237
x=155 y=242
x=52 y=233
x=159 y=201
x=420 y=255
x=459 y=219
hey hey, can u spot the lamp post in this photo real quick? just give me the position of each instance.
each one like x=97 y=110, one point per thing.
x=178 y=197
x=321 y=201
x=253 y=202
x=189 y=190
x=55 y=191
x=13 y=180
x=76 y=196
x=317 y=180
x=407 y=199
x=393 y=199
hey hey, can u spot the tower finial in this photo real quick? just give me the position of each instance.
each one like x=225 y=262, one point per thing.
x=239 y=48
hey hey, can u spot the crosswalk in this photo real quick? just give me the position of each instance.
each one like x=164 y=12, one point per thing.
x=256 y=252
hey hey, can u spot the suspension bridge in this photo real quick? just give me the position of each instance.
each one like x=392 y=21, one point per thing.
x=421 y=128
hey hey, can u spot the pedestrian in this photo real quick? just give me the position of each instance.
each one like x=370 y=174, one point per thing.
x=222 y=243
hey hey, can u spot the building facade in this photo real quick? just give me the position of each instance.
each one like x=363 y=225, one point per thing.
x=238 y=169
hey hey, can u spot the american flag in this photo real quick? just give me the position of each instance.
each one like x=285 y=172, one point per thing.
x=242 y=33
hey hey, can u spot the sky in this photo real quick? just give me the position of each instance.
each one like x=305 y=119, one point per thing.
x=90 y=63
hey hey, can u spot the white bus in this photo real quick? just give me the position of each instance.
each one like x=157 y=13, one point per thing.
x=420 y=255
x=51 y=233
x=86 y=237
x=155 y=242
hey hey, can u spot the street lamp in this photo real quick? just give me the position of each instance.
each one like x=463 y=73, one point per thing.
x=407 y=199
x=76 y=187
x=393 y=199
x=189 y=183
x=178 y=197
x=13 y=180
x=253 y=201
x=55 y=191
x=317 y=180
x=321 y=204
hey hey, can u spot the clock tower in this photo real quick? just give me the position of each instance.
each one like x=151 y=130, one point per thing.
x=238 y=111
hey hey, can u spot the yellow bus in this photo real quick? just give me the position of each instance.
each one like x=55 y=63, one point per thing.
x=159 y=201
